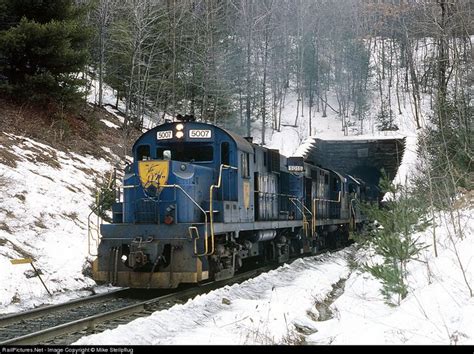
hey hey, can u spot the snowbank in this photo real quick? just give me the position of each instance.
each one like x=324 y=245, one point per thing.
x=438 y=309
x=45 y=198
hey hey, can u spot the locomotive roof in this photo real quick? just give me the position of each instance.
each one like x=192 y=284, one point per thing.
x=354 y=179
x=242 y=144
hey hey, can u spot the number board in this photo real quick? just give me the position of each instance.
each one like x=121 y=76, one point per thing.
x=295 y=168
x=163 y=135
x=295 y=164
x=200 y=133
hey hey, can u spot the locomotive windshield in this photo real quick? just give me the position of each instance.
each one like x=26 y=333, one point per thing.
x=143 y=152
x=200 y=153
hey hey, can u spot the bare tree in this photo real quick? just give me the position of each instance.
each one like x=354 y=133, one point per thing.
x=104 y=16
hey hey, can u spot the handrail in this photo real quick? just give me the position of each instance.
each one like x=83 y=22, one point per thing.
x=315 y=208
x=277 y=194
x=302 y=204
x=353 y=223
x=196 y=204
x=305 y=220
x=129 y=186
x=203 y=211
x=90 y=232
x=94 y=210
x=97 y=226
x=211 y=202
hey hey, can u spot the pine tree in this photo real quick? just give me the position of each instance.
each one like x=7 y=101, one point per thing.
x=43 y=45
x=398 y=219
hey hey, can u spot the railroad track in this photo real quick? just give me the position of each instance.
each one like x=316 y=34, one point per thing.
x=65 y=323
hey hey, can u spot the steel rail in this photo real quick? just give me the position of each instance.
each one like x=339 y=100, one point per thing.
x=89 y=323
x=27 y=315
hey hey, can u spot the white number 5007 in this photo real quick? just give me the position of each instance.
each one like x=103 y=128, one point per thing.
x=200 y=134
x=167 y=134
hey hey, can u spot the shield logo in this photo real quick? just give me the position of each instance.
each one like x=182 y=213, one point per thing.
x=153 y=174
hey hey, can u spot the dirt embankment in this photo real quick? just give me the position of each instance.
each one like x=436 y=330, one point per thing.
x=82 y=130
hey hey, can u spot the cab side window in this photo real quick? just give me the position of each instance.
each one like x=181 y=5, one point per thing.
x=225 y=153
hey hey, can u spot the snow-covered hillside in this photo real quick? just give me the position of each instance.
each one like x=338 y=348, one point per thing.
x=45 y=198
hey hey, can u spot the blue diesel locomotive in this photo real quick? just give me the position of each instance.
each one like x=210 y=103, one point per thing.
x=199 y=201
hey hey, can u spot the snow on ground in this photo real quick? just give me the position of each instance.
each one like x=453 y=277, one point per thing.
x=44 y=207
x=322 y=300
x=438 y=309
x=117 y=107
x=110 y=124
x=258 y=311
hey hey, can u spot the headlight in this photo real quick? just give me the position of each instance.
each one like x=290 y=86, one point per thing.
x=124 y=258
x=179 y=126
x=179 y=134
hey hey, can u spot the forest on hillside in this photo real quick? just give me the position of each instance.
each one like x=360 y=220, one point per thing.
x=233 y=62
